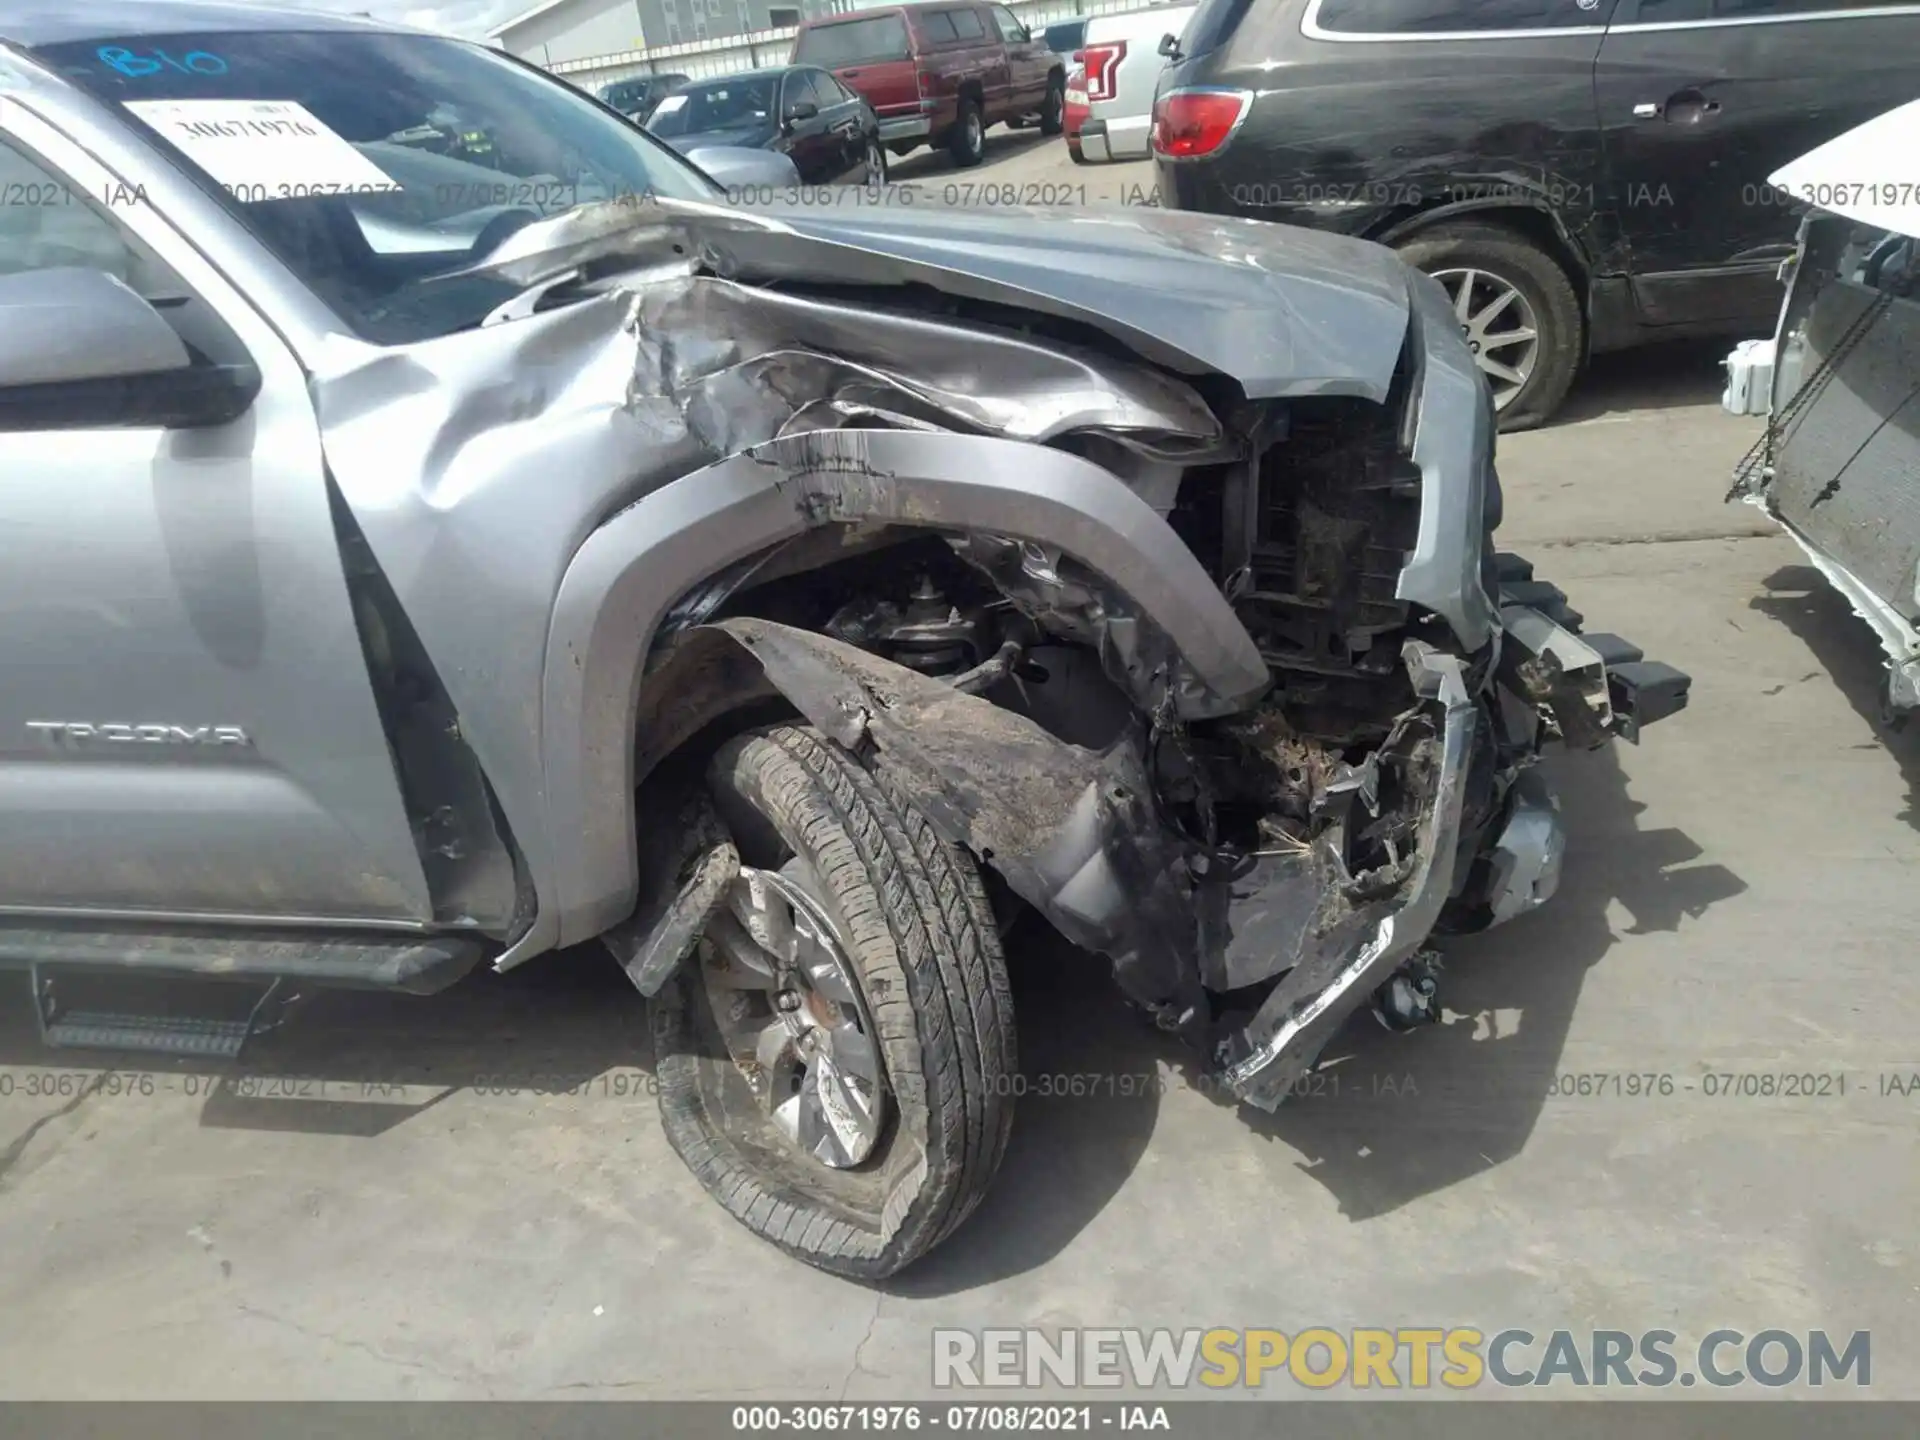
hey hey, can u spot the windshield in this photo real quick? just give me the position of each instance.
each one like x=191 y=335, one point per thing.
x=852 y=42
x=741 y=103
x=626 y=92
x=375 y=164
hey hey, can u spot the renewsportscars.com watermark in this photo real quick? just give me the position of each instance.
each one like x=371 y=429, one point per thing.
x=1459 y=1358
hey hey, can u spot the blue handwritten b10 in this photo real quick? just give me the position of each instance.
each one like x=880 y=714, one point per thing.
x=131 y=63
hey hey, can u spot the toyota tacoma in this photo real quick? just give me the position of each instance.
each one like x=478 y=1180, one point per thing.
x=440 y=529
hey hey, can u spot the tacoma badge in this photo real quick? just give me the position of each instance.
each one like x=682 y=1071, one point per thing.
x=79 y=732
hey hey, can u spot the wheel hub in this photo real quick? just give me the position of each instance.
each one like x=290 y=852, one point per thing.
x=1500 y=328
x=792 y=1017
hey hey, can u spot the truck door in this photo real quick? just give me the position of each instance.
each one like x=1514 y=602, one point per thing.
x=187 y=728
x=986 y=58
x=1029 y=60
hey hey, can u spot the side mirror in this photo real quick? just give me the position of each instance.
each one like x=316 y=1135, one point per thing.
x=1170 y=46
x=801 y=110
x=80 y=350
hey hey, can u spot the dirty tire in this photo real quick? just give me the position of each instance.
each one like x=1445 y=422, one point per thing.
x=1053 y=108
x=968 y=143
x=918 y=928
x=1536 y=275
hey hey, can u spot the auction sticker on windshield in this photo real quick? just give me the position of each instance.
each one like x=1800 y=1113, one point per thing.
x=264 y=149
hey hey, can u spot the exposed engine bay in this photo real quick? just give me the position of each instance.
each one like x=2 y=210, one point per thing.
x=1215 y=667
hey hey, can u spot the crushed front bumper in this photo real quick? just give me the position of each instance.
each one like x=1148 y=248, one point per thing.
x=1591 y=688
x=1079 y=835
x=1348 y=962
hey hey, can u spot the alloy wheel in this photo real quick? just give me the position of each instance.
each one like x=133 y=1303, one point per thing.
x=1499 y=325
x=792 y=1017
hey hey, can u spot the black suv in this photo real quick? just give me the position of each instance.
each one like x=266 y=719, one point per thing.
x=1582 y=175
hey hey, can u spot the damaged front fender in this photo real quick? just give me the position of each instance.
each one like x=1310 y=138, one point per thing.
x=1078 y=834
x=1168 y=630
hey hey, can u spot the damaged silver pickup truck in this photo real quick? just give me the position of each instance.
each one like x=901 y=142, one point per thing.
x=424 y=551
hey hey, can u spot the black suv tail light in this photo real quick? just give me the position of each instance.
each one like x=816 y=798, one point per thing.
x=1192 y=124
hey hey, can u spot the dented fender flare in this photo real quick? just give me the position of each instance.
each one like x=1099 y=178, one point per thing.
x=628 y=573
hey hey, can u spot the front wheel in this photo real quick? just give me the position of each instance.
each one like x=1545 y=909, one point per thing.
x=1517 y=311
x=1053 y=108
x=835 y=1063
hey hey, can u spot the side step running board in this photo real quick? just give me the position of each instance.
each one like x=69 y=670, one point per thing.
x=195 y=1037
x=415 y=964
x=168 y=992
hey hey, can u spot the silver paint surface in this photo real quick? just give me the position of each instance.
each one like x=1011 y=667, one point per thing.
x=185 y=577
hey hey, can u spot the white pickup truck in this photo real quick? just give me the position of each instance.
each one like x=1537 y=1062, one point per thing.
x=1121 y=63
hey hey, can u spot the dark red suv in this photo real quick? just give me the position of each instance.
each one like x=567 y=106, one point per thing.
x=939 y=74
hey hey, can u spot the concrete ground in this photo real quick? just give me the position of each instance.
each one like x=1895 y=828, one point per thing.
x=1738 y=900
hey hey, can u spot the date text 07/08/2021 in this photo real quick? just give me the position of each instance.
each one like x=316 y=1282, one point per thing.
x=962 y=1419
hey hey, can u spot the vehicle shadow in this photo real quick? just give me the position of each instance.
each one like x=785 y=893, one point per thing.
x=1799 y=597
x=1391 y=1117
x=936 y=166
x=1671 y=376
x=1087 y=1102
x=1409 y=1115
x=357 y=1063
x=1402 y=1116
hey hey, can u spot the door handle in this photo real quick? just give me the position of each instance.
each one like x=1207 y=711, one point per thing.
x=1683 y=107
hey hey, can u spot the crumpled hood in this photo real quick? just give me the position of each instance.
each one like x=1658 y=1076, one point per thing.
x=1284 y=311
